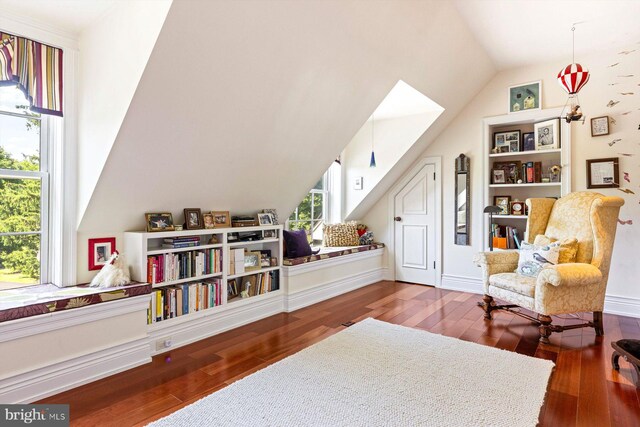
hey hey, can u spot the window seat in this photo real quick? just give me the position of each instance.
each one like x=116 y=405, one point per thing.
x=326 y=253
x=42 y=299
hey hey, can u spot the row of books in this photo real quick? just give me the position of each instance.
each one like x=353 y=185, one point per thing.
x=256 y=284
x=174 y=301
x=531 y=172
x=505 y=237
x=182 y=265
x=181 y=242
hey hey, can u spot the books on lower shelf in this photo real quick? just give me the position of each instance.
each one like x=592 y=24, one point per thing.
x=255 y=284
x=175 y=301
x=505 y=237
x=176 y=266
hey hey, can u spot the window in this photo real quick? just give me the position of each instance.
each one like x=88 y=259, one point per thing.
x=24 y=192
x=312 y=212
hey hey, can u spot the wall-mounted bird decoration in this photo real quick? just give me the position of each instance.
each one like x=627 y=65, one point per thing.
x=613 y=65
x=612 y=103
x=626 y=52
x=623 y=222
x=627 y=154
x=626 y=76
x=626 y=177
x=614 y=141
x=626 y=93
x=626 y=190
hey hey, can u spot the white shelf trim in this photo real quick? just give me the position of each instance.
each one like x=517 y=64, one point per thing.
x=526 y=153
x=249 y=273
x=511 y=216
x=534 y=184
x=252 y=242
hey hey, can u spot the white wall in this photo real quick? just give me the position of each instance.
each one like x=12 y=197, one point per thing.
x=113 y=54
x=464 y=135
x=393 y=138
x=243 y=105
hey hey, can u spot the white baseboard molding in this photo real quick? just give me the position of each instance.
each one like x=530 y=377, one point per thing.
x=623 y=306
x=461 y=283
x=232 y=317
x=613 y=304
x=333 y=288
x=47 y=381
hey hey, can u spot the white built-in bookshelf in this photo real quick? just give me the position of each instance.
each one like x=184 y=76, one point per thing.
x=191 y=275
x=524 y=122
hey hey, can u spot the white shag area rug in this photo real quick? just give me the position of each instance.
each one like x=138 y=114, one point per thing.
x=379 y=374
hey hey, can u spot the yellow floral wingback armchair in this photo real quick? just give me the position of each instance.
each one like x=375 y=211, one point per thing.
x=575 y=286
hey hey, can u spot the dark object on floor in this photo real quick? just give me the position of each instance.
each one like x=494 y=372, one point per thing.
x=347 y=324
x=630 y=351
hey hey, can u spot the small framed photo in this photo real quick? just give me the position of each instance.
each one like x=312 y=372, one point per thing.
x=232 y=289
x=265 y=259
x=207 y=220
x=193 y=219
x=221 y=219
x=600 y=126
x=525 y=97
x=265 y=218
x=547 y=134
x=269 y=234
x=274 y=213
x=499 y=176
x=528 y=141
x=503 y=203
x=512 y=170
x=517 y=207
x=100 y=251
x=159 y=221
x=506 y=142
x=603 y=173
x=252 y=261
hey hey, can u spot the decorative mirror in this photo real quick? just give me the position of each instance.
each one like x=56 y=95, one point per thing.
x=463 y=200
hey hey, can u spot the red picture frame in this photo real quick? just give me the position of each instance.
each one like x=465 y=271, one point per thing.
x=100 y=250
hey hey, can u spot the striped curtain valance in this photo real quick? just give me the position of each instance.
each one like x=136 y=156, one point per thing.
x=36 y=68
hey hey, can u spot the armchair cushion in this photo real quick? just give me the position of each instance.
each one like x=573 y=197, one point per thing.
x=514 y=282
x=573 y=274
x=534 y=258
x=568 y=247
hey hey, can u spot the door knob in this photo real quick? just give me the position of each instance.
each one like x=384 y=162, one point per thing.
x=397 y=218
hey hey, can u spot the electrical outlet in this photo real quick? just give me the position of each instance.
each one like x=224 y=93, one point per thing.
x=164 y=343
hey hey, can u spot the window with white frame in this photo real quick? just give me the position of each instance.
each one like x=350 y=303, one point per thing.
x=312 y=212
x=24 y=192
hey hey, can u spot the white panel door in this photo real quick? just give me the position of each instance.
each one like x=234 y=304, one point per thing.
x=415 y=222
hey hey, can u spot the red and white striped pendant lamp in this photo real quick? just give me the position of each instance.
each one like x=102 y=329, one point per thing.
x=572 y=78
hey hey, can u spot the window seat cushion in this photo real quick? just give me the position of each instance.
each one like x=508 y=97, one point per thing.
x=326 y=253
x=43 y=299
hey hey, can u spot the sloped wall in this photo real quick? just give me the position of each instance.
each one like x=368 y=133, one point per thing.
x=113 y=54
x=243 y=105
x=609 y=82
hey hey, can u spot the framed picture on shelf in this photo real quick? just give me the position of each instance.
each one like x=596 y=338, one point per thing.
x=603 y=173
x=274 y=213
x=511 y=171
x=500 y=142
x=100 y=251
x=232 y=289
x=265 y=258
x=499 y=176
x=221 y=219
x=528 y=141
x=252 y=261
x=269 y=234
x=525 y=97
x=503 y=203
x=159 y=221
x=547 y=134
x=265 y=218
x=516 y=207
x=600 y=126
x=193 y=218
x=207 y=220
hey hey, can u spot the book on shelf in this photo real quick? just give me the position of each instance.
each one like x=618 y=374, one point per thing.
x=177 y=266
x=182 y=239
x=505 y=237
x=175 y=301
x=179 y=245
x=255 y=284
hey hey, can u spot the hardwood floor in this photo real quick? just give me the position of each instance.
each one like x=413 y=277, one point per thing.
x=583 y=391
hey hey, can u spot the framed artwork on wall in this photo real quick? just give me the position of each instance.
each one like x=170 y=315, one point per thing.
x=100 y=251
x=603 y=173
x=600 y=126
x=525 y=97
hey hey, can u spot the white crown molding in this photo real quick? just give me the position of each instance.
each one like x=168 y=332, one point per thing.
x=34 y=29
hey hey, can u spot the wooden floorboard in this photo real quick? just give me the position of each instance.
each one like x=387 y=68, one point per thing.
x=583 y=390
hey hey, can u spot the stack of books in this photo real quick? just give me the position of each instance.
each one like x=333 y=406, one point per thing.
x=182 y=265
x=181 y=242
x=505 y=237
